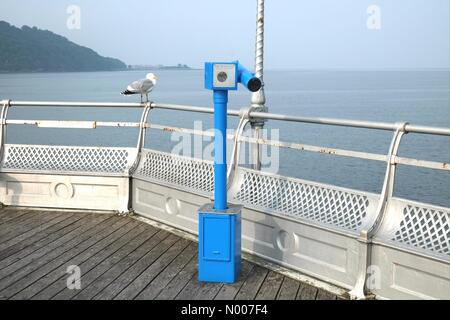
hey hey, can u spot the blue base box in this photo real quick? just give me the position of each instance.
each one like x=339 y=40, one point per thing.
x=219 y=258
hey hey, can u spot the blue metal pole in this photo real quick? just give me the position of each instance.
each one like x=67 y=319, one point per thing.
x=220 y=147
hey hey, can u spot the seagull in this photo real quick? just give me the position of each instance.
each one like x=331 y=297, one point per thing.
x=142 y=87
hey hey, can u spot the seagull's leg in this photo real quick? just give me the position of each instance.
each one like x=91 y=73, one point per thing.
x=142 y=98
x=147 y=96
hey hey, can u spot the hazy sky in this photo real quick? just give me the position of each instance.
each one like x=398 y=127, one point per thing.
x=299 y=33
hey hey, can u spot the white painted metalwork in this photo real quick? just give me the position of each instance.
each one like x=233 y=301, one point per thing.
x=310 y=227
x=258 y=100
x=411 y=248
x=324 y=253
x=360 y=290
x=417 y=226
x=425 y=228
x=143 y=125
x=335 y=207
x=236 y=113
x=82 y=191
x=236 y=153
x=68 y=160
x=388 y=185
x=422 y=163
x=240 y=138
x=61 y=124
x=3 y=117
x=67 y=124
x=325 y=231
x=181 y=172
x=309 y=148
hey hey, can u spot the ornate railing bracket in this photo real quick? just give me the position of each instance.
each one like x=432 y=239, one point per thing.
x=360 y=291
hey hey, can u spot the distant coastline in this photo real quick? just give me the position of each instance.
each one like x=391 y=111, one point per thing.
x=159 y=67
x=29 y=49
x=32 y=50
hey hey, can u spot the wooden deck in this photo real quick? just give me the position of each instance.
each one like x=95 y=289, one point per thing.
x=119 y=258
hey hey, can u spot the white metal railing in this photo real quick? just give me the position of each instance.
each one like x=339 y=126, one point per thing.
x=409 y=128
x=368 y=216
x=392 y=158
x=68 y=160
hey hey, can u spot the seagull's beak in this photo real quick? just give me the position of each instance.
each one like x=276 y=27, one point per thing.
x=156 y=78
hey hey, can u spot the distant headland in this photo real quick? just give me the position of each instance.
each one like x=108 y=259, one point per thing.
x=160 y=67
x=33 y=50
x=29 y=49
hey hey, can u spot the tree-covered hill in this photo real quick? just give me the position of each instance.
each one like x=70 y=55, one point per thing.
x=34 y=50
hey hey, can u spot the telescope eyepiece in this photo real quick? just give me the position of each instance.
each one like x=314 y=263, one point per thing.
x=254 y=85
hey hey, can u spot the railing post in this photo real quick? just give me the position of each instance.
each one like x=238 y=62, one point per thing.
x=360 y=291
x=141 y=138
x=258 y=98
x=3 y=117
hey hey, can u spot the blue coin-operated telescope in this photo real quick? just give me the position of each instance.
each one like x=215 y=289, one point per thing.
x=220 y=223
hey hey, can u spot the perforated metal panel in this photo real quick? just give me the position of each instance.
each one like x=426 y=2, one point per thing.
x=187 y=173
x=60 y=159
x=300 y=199
x=426 y=228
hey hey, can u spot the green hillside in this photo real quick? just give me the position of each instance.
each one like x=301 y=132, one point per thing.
x=34 y=50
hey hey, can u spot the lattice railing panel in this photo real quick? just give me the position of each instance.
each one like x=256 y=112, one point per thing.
x=302 y=200
x=426 y=228
x=188 y=173
x=67 y=159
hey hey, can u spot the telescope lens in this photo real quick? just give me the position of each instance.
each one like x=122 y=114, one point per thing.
x=254 y=85
x=222 y=76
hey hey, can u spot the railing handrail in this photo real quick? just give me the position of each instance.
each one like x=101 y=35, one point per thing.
x=280 y=144
x=409 y=128
x=144 y=125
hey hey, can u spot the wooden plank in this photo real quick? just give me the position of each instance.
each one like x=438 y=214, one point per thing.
x=122 y=282
x=207 y=290
x=86 y=260
x=44 y=226
x=179 y=282
x=190 y=289
x=325 y=295
x=270 y=287
x=196 y=290
x=7 y=214
x=32 y=262
x=31 y=217
x=15 y=248
x=289 y=289
x=38 y=270
x=19 y=260
x=59 y=286
x=119 y=258
x=101 y=282
x=32 y=220
x=52 y=241
x=229 y=291
x=172 y=270
x=251 y=286
x=143 y=280
x=17 y=218
x=113 y=289
x=306 y=292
